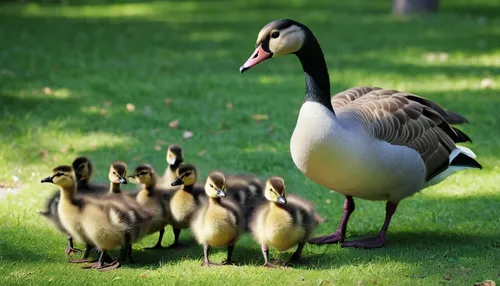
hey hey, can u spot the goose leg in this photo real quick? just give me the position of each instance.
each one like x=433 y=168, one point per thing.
x=71 y=249
x=85 y=257
x=158 y=243
x=206 y=261
x=295 y=258
x=265 y=253
x=101 y=265
x=176 y=244
x=379 y=240
x=339 y=234
x=229 y=260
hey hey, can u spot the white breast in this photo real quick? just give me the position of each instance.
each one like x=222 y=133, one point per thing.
x=338 y=153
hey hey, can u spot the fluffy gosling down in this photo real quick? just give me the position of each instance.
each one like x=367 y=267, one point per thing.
x=106 y=222
x=83 y=171
x=219 y=222
x=284 y=222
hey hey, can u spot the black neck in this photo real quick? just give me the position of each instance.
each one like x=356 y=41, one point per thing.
x=114 y=188
x=188 y=188
x=315 y=71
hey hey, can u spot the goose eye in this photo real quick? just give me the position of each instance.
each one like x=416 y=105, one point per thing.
x=274 y=35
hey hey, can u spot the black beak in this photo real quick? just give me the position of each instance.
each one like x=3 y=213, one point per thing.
x=47 y=180
x=243 y=69
x=177 y=182
x=221 y=193
x=281 y=200
x=122 y=180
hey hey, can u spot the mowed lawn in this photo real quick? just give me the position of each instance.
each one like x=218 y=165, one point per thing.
x=105 y=80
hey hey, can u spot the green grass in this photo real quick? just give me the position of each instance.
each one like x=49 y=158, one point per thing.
x=95 y=59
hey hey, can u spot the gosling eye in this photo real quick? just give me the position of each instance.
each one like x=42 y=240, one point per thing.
x=211 y=186
x=58 y=174
x=275 y=35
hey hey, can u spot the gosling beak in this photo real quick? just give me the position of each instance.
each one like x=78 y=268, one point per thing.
x=177 y=182
x=122 y=180
x=258 y=56
x=281 y=200
x=172 y=161
x=47 y=180
x=221 y=193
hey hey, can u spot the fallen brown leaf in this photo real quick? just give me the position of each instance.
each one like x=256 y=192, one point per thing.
x=93 y=146
x=202 y=152
x=64 y=149
x=48 y=91
x=229 y=106
x=137 y=158
x=174 y=123
x=168 y=101
x=157 y=147
x=108 y=103
x=260 y=117
x=103 y=112
x=144 y=275
x=43 y=153
x=447 y=277
x=130 y=107
x=187 y=134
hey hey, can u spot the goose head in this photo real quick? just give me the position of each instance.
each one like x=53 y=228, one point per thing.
x=62 y=176
x=175 y=155
x=275 y=39
x=83 y=168
x=186 y=175
x=144 y=174
x=215 y=185
x=275 y=190
x=118 y=172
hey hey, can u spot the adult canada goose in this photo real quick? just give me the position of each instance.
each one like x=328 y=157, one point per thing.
x=365 y=142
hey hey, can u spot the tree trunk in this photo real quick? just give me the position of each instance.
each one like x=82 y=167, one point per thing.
x=407 y=7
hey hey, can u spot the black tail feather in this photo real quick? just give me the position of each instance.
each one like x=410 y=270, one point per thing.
x=462 y=137
x=465 y=161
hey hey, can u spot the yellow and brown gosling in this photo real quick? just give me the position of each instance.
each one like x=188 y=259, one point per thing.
x=105 y=222
x=175 y=158
x=284 y=222
x=185 y=201
x=219 y=222
x=153 y=199
x=84 y=171
x=247 y=191
x=117 y=176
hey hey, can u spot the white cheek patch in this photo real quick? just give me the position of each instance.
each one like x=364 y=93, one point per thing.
x=290 y=40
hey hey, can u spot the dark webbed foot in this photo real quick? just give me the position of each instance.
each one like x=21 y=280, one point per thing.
x=269 y=265
x=208 y=263
x=336 y=237
x=228 y=262
x=70 y=250
x=108 y=266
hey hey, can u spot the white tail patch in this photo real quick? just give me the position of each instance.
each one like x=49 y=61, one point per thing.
x=451 y=169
